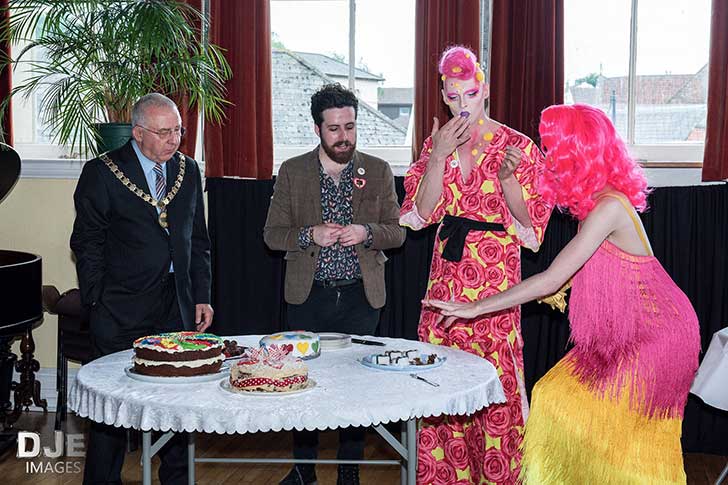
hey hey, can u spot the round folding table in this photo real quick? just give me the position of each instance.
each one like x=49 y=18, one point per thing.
x=346 y=393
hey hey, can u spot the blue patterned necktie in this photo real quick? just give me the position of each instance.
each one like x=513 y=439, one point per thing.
x=161 y=186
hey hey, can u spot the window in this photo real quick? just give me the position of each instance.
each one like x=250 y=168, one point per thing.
x=32 y=137
x=644 y=63
x=311 y=47
x=404 y=110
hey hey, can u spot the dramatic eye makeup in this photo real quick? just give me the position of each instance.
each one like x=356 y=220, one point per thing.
x=472 y=93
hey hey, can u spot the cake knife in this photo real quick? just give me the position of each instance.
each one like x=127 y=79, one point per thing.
x=366 y=342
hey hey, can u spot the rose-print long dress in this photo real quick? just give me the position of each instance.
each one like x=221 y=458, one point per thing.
x=484 y=447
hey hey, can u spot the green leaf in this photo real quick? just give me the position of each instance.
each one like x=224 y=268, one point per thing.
x=92 y=59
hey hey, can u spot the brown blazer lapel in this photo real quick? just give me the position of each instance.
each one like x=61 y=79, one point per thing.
x=312 y=190
x=357 y=191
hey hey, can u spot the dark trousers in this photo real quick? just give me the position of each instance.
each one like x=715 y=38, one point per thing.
x=342 y=309
x=107 y=444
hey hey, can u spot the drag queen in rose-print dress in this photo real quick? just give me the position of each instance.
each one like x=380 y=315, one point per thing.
x=610 y=412
x=483 y=448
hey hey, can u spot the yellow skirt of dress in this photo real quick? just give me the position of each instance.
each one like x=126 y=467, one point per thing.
x=576 y=437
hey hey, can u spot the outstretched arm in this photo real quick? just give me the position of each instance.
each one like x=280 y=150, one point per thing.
x=599 y=224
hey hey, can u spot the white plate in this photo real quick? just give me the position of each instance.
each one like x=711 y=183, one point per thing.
x=334 y=341
x=129 y=371
x=225 y=385
x=368 y=362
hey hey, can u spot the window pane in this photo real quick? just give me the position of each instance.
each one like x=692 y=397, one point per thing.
x=27 y=120
x=672 y=71
x=596 y=57
x=385 y=46
x=300 y=45
x=32 y=137
x=307 y=55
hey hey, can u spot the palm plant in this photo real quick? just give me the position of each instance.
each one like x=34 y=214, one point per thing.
x=98 y=56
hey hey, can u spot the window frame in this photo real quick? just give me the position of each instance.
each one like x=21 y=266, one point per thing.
x=660 y=155
x=399 y=157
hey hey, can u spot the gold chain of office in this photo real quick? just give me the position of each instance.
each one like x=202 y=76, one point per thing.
x=159 y=204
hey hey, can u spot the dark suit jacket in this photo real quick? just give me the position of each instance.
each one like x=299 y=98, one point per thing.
x=296 y=203
x=122 y=253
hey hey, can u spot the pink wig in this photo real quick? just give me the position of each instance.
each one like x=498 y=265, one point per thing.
x=583 y=155
x=460 y=62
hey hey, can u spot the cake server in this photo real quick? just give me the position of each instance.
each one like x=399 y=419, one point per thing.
x=420 y=378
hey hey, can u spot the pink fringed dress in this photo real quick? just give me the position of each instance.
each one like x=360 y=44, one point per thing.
x=610 y=412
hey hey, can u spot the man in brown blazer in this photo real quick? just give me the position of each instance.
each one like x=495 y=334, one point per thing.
x=333 y=211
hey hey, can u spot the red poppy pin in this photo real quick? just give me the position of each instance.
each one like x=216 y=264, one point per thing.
x=359 y=183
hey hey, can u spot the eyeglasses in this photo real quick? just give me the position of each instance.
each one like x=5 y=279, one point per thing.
x=166 y=133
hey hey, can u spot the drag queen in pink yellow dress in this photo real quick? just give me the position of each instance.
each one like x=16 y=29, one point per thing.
x=610 y=412
x=476 y=177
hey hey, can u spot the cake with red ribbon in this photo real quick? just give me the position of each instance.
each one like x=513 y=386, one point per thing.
x=177 y=354
x=270 y=369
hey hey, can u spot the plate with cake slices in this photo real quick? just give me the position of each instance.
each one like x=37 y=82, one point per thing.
x=233 y=351
x=403 y=360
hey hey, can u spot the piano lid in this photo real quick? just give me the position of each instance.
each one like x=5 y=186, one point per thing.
x=9 y=169
x=21 y=299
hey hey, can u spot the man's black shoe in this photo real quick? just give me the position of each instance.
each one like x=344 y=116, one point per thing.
x=301 y=475
x=348 y=475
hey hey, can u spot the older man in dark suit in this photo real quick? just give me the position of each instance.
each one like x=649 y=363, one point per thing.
x=333 y=211
x=142 y=257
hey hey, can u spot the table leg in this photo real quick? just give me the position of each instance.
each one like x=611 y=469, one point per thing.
x=722 y=476
x=191 y=459
x=412 y=451
x=403 y=466
x=147 y=458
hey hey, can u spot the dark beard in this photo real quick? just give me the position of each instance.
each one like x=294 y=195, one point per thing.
x=341 y=158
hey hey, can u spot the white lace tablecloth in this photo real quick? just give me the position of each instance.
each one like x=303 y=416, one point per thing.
x=346 y=394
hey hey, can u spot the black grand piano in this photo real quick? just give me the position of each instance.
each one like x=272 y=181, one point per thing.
x=20 y=309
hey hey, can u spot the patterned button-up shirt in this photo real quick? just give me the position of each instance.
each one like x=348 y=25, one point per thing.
x=336 y=262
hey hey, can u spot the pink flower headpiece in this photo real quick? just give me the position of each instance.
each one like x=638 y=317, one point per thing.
x=460 y=62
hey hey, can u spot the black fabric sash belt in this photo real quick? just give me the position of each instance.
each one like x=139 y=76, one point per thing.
x=456 y=229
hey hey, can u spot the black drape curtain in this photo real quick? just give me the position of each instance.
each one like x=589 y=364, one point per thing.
x=688 y=230
x=686 y=225
x=247 y=277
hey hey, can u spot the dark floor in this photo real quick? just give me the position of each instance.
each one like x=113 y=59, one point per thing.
x=701 y=469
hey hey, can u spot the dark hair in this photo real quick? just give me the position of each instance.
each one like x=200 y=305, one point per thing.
x=332 y=96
